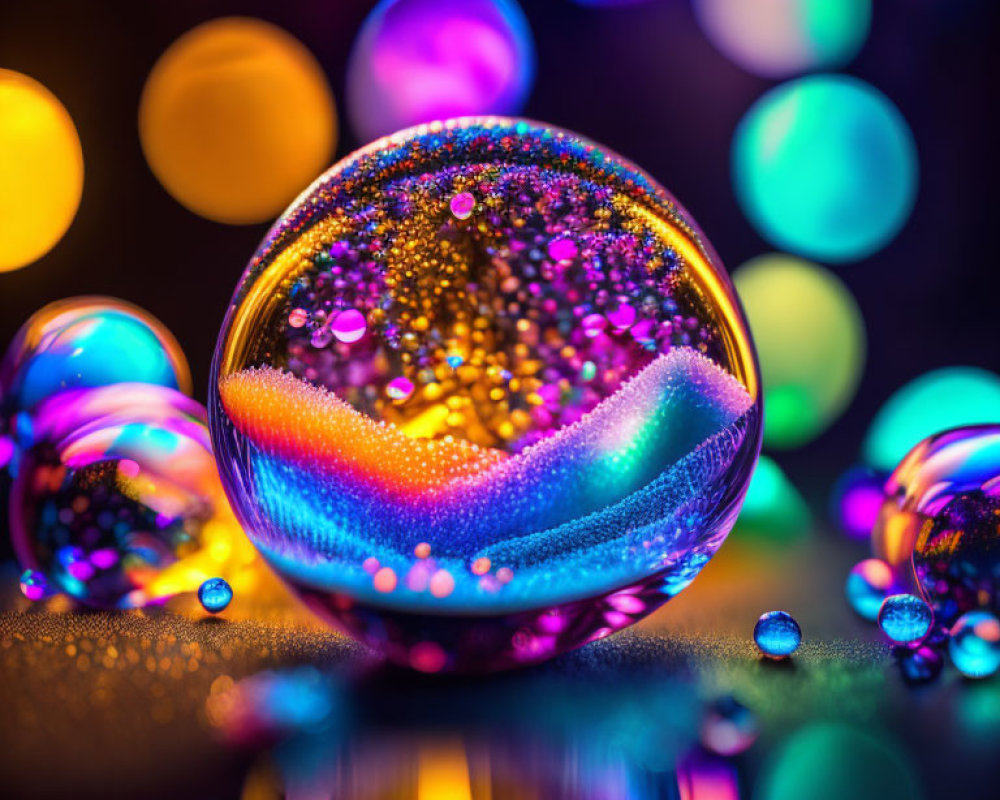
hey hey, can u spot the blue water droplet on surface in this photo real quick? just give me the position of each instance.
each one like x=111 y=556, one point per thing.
x=777 y=634
x=214 y=595
x=905 y=618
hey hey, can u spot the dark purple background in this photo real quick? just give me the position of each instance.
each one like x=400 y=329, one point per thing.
x=641 y=79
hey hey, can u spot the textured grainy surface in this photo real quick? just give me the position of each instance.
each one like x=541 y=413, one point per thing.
x=114 y=704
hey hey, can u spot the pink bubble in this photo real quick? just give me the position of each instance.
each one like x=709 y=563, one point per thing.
x=349 y=326
x=621 y=316
x=593 y=325
x=399 y=389
x=562 y=249
x=462 y=205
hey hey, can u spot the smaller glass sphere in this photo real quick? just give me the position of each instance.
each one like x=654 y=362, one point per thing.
x=975 y=644
x=83 y=342
x=777 y=634
x=729 y=727
x=905 y=618
x=119 y=486
x=214 y=595
x=919 y=665
x=867 y=586
x=34 y=586
x=939 y=527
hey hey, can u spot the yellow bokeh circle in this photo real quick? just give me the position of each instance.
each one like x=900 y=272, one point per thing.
x=41 y=170
x=810 y=339
x=236 y=118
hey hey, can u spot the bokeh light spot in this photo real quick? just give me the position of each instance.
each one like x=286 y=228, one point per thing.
x=941 y=399
x=41 y=170
x=826 y=167
x=779 y=38
x=236 y=119
x=810 y=340
x=422 y=60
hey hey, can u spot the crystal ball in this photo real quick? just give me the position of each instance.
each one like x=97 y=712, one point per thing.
x=939 y=527
x=485 y=394
x=118 y=488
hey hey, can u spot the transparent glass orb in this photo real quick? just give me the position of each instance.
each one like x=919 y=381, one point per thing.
x=484 y=394
x=938 y=528
x=118 y=488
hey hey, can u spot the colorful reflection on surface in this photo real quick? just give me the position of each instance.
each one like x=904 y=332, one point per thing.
x=236 y=118
x=940 y=525
x=825 y=167
x=118 y=501
x=810 y=338
x=41 y=170
x=779 y=38
x=528 y=738
x=421 y=60
x=833 y=761
x=479 y=434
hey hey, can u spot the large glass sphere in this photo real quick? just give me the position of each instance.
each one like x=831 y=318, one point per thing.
x=939 y=527
x=484 y=394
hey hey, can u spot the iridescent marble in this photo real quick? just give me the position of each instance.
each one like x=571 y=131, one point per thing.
x=79 y=343
x=868 y=584
x=485 y=394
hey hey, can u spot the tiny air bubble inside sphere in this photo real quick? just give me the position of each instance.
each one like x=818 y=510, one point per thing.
x=905 y=618
x=777 y=634
x=215 y=595
x=975 y=644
